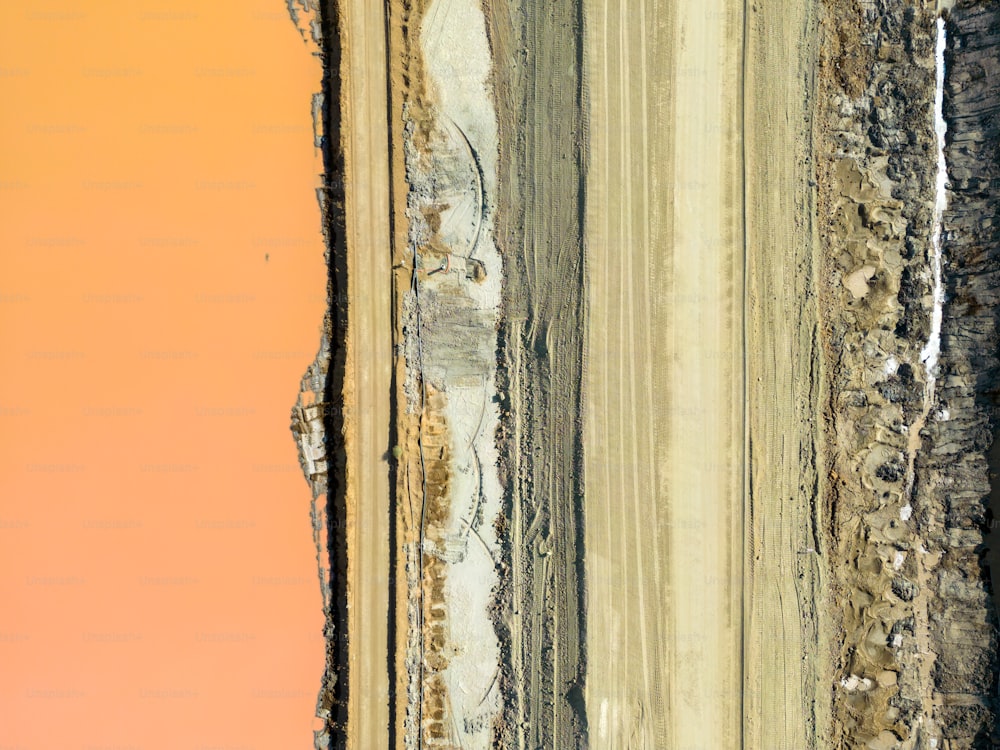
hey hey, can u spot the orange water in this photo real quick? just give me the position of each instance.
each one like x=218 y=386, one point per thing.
x=161 y=283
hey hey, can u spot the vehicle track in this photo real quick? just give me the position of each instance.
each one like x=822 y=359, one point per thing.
x=664 y=386
x=369 y=368
x=537 y=52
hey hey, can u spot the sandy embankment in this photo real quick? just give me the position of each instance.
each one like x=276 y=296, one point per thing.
x=448 y=404
x=785 y=605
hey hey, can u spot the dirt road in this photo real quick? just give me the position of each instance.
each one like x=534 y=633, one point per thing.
x=369 y=369
x=664 y=389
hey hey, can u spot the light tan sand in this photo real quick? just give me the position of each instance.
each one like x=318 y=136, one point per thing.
x=369 y=367
x=664 y=389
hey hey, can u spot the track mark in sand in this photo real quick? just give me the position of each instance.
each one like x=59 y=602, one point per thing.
x=630 y=335
x=623 y=717
x=541 y=152
x=663 y=419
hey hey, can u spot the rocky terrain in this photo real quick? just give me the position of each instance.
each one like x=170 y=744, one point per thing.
x=957 y=466
x=908 y=428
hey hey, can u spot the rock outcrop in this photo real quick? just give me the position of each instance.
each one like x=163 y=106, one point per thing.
x=909 y=437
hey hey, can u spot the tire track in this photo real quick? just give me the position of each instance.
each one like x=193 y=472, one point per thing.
x=369 y=369
x=664 y=498
x=540 y=236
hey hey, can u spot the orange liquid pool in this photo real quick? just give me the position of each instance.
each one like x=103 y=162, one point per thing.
x=161 y=290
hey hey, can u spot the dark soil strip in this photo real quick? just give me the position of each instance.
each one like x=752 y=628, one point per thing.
x=964 y=625
x=537 y=75
x=335 y=680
